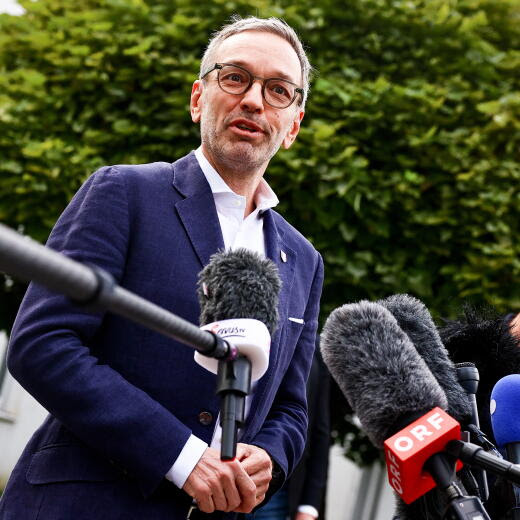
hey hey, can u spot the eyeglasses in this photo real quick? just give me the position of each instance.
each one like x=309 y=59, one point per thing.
x=234 y=79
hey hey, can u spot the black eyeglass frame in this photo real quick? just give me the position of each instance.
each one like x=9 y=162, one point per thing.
x=252 y=78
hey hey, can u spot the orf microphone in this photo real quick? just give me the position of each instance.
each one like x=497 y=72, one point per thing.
x=378 y=369
x=238 y=295
x=389 y=386
x=416 y=447
x=415 y=320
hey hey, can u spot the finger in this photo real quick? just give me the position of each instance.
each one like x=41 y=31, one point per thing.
x=205 y=502
x=262 y=479
x=217 y=493
x=262 y=488
x=257 y=461
x=247 y=489
x=243 y=451
x=230 y=489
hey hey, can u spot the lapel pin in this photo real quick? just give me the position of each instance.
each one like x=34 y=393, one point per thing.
x=283 y=256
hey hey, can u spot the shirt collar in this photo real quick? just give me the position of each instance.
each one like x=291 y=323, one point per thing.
x=264 y=198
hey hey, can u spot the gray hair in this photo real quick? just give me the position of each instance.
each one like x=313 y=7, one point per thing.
x=252 y=23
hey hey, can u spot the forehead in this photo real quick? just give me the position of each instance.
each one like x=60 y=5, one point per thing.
x=265 y=54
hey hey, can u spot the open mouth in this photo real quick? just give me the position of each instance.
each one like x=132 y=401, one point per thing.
x=244 y=127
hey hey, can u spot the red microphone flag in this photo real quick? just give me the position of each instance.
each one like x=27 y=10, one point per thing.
x=407 y=451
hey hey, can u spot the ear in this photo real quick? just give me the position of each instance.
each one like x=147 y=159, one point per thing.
x=196 y=101
x=293 y=130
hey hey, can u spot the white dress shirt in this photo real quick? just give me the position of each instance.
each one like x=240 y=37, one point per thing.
x=237 y=232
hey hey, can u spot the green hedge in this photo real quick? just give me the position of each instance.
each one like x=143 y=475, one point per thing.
x=406 y=171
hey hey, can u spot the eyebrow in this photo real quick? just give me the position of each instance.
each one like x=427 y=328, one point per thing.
x=278 y=73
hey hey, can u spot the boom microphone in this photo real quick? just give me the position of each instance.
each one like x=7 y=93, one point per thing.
x=95 y=289
x=238 y=295
x=389 y=386
x=378 y=369
x=416 y=321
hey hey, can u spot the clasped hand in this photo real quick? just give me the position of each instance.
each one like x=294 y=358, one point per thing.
x=238 y=485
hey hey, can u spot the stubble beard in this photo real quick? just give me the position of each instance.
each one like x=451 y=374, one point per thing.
x=239 y=156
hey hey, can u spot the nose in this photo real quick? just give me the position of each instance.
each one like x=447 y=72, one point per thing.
x=252 y=100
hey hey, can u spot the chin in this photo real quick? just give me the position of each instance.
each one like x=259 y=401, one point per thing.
x=242 y=155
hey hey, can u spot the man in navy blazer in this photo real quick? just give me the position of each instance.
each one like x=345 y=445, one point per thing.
x=131 y=415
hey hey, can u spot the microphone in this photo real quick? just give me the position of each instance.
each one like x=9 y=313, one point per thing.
x=239 y=284
x=504 y=407
x=389 y=386
x=468 y=377
x=238 y=294
x=378 y=369
x=483 y=337
x=416 y=321
x=505 y=417
x=95 y=290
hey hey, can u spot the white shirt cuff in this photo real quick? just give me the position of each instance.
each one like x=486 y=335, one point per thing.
x=186 y=461
x=310 y=510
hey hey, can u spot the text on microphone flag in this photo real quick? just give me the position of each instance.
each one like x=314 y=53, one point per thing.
x=407 y=451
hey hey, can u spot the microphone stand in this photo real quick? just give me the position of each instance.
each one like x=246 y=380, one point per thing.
x=474 y=455
x=460 y=507
x=95 y=290
x=513 y=453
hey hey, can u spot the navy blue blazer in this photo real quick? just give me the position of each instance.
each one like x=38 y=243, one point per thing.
x=122 y=399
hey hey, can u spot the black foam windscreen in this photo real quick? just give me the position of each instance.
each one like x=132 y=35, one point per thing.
x=239 y=284
x=378 y=369
x=415 y=320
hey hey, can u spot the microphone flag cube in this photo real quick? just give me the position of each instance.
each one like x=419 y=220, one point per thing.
x=407 y=451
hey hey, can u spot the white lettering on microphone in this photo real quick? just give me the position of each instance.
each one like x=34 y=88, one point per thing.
x=395 y=478
x=403 y=443
x=435 y=420
x=420 y=432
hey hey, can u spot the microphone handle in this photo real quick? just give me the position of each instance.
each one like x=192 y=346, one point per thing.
x=233 y=384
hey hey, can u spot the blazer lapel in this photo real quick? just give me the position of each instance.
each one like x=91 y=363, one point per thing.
x=197 y=210
x=278 y=250
x=285 y=259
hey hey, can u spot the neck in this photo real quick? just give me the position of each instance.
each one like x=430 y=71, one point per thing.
x=242 y=182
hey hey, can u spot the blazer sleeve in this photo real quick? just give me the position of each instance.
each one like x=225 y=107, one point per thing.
x=284 y=432
x=52 y=347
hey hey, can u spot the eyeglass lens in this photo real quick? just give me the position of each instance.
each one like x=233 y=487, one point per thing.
x=277 y=92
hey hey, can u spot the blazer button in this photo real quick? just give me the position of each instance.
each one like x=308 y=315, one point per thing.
x=205 y=418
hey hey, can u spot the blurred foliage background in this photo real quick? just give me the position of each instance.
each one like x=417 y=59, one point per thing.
x=404 y=175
